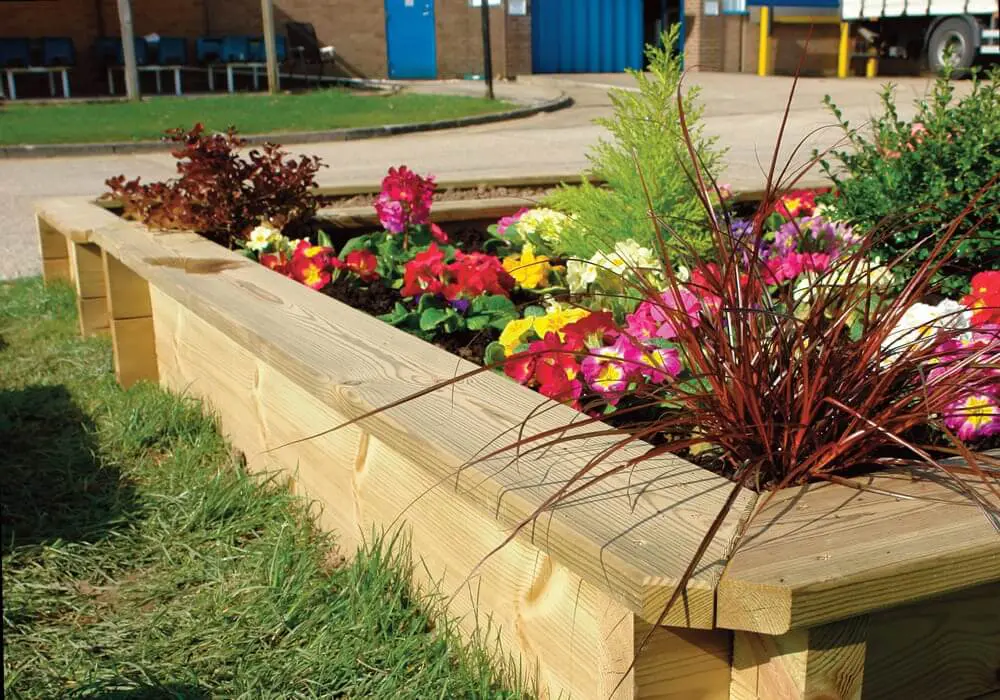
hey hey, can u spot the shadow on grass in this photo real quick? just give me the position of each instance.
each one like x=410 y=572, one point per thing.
x=53 y=485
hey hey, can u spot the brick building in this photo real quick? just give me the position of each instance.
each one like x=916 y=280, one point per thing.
x=579 y=35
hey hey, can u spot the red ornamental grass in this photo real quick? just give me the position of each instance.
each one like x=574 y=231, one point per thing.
x=784 y=382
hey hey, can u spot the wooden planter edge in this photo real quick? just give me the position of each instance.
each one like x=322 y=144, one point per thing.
x=793 y=572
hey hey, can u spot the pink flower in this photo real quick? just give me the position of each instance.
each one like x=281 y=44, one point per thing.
x=671 y=307
x=786 y=267
x=640 y=324
x=974 y=416
x=917 y=134
x=405 y=199
x=608 y=370
x=656 y=319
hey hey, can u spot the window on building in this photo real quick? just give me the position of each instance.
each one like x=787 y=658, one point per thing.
x=734 y=7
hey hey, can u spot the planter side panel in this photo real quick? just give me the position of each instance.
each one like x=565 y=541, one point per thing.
x=949 y=644
x=566 y=631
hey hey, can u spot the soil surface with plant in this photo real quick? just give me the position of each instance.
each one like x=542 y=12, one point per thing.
x=140 y=560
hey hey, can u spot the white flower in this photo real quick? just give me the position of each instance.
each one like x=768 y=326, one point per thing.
x=921 y=322
x=635 y=255
x=262 y=237
x=546 y=224
x=580 y=274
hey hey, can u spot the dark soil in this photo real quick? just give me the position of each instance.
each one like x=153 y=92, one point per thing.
x=469 y=345
x=375 y=299
x=531 y=194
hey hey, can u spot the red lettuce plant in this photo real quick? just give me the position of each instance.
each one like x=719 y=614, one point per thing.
x=221 y=194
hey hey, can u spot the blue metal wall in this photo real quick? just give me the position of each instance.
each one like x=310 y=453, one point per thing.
x=586 y=36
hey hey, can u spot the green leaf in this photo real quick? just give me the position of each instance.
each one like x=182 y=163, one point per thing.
x=432 y=318
x=533 y=311
x=477 y=322
x=492 y=303
x=494 y=354
x=323 y=238
x=358 y=243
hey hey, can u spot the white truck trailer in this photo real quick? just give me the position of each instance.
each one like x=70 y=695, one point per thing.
x=958 y=32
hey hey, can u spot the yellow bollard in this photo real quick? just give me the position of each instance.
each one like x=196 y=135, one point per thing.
x=871 y=66
x=762 y=49
x=844 y=50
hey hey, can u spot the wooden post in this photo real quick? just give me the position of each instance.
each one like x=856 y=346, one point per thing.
x=763 y=48
x=484 y=10
x=827 y=661
x=91 y=295
x=270 y=45
x=130 y=315
x=844 y=50
x=54 y=251
x=128 y=49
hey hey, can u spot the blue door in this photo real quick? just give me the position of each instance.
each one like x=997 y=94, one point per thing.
x=410 y=39
x=586 y=36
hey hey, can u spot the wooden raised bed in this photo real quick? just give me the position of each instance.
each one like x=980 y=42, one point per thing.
x=834 y=593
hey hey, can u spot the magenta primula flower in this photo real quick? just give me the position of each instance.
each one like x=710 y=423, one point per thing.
x=674 y=304
x=661 y=364
x=657 y=319
x=789 y=266
x=609 y=369
x=974 y=416
x=405 y=199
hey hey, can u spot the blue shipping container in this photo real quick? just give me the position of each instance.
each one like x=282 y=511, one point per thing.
x=586 y=36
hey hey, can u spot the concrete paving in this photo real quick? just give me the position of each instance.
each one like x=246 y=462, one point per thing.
x=743 y=111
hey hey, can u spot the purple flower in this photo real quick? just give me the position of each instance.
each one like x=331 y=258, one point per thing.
x=460 y=305
x=746 y=242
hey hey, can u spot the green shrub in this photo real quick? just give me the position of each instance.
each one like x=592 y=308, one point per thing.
x=915 y=177
x=647 y=144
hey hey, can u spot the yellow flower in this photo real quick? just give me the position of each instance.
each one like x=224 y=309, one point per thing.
x=514 y=334
x=557 y=318
x=530 y=271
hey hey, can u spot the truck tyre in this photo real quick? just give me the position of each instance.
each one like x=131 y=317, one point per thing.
x=956 y=35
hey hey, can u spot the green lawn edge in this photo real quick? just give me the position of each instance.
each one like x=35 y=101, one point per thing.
x=141 y=561
x=320 y=110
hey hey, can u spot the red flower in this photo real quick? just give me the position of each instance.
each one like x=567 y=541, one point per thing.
x=984 y=298
x=277 y=262
x=422 y=275
x=556 y=368
x=592 y=331
x=520 y=367
x=475 y=274
x=362 y=263
x=311 y=265
x=797 y=203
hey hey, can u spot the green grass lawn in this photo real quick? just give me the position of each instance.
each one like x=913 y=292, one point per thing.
x=92 y=122
x=140 y=561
